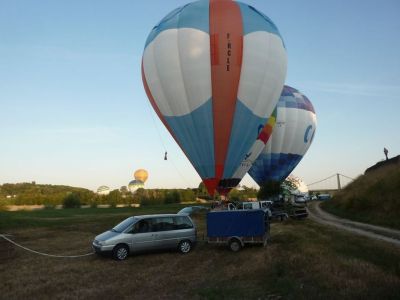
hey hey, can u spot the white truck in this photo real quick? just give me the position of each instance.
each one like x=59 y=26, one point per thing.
x=265 y=205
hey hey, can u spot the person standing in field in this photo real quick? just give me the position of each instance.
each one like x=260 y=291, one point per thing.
x=386 y=151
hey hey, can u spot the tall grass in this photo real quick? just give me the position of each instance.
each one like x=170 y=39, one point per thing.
x=373 y=197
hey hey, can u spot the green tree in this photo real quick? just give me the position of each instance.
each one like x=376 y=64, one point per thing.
x=235 y=195
x=291 y=183
x=248 y=192
x=188 y=195
x=269 y=189
x=172 y=197
x=72 y=200
x=114 y=198
x=202 y=190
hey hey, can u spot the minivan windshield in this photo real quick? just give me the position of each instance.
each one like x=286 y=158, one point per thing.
x=124 y=224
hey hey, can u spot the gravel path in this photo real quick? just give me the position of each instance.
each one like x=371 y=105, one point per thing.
x=375 y=232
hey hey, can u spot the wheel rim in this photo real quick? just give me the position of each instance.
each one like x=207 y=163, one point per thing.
x=122 y=253
x=185 y=247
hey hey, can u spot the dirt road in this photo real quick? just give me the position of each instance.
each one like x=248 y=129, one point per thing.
x=375 y=232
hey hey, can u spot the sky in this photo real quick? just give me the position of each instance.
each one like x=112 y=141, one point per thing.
x=73 y=109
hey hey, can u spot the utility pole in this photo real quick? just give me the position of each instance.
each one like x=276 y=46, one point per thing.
x=338 y=181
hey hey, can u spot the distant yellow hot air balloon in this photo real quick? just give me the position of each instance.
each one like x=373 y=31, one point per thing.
x=141 y=175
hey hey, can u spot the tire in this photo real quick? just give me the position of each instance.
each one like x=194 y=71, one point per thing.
x=235 y=245
x=120 y=252
x=185 y=246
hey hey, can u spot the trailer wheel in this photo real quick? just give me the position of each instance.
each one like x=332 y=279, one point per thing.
x=235 y=245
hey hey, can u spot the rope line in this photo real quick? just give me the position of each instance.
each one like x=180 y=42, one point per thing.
x=330 y=178
x=150 y=111
x=41 y=253
x=322 y=180
x=334 y=175
x=347 y=177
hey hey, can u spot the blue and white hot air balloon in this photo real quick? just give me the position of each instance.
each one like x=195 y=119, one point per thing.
x=292 y=136
x=213 y=72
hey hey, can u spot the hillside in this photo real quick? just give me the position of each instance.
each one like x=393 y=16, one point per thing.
x=372 y=198
x=32 y=193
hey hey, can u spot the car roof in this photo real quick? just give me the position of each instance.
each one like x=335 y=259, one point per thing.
x=158 y=216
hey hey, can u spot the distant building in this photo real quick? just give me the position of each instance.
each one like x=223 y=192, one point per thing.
x=103 y=190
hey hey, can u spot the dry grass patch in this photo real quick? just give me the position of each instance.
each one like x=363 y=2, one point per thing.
x=304 y=260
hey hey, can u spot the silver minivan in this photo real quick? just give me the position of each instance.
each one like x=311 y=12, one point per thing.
x=148 y=232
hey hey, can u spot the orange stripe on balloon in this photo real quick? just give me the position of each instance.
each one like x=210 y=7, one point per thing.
x=226 y=45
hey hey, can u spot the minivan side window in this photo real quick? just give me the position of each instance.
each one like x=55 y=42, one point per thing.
x=163 y=224
x=141 y=227
x=182 y=222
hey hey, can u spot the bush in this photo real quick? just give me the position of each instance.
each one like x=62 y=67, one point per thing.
x=3 y=205
x=72 y=200
x=94 y=201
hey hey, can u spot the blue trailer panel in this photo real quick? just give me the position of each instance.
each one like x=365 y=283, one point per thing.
x=242 y=223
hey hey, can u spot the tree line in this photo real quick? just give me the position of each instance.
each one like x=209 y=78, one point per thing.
x=52 y=195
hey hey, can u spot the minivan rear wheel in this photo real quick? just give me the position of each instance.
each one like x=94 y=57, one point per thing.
x=185 y=246
x=120 y=252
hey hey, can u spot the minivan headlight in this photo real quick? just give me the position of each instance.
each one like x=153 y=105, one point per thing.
x=100 y=243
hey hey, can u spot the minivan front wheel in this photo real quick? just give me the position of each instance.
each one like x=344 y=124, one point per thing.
x=120 y=252
x=185 y=246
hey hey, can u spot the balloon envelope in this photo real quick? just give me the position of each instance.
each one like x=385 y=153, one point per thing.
x=256 y=149
x=103 y=190
x=213 y=71
x=141 y=175
x=292 y=136
x=134 y=185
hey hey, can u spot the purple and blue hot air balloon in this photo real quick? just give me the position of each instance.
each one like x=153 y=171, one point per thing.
x=292 y=136
x=213 y=71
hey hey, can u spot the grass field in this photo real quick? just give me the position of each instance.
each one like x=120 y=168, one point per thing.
x=304 y=260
